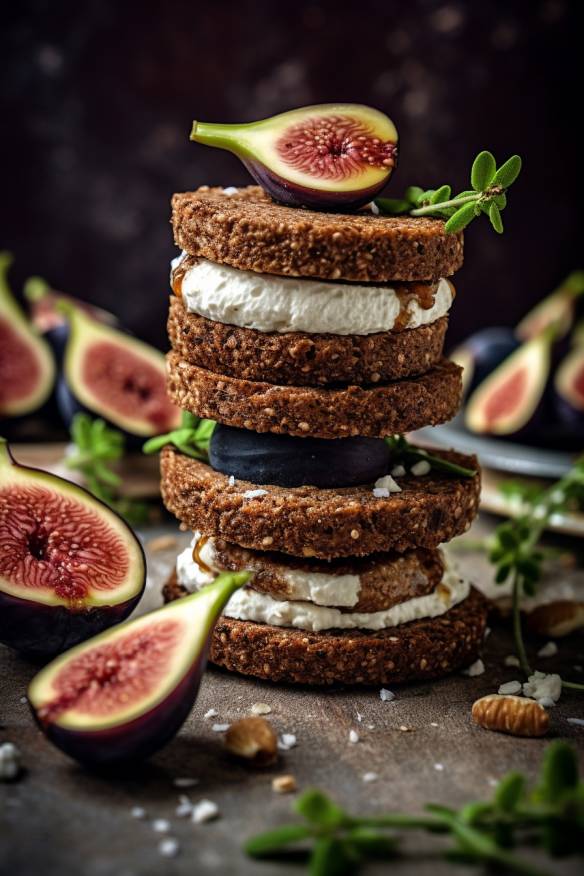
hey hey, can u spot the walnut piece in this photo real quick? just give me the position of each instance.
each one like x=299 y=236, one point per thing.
x=284 y=784
x=253 y=739
x=556 y=619
x=508 y=714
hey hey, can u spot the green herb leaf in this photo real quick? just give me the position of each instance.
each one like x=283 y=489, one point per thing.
x=559 y=773
x=192 y=438
x=482 y=171
x=495 y=217
x=510 y=792
x=265 y=844
x=393 y=206
x=508 y=172
x=330 y=858
x=319 y=809
x=459 y=220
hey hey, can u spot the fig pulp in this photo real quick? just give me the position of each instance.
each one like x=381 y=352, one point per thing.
x=287 y=461
x=112 y=375
x=27 y=367
x=569 y=391
x=125 y=693
x=481 y=353
x=332 y=156
x=69 y=566
x=510 y=398
x=557 y=310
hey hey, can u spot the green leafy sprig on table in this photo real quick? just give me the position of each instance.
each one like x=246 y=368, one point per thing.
x=549 y=816
x=191 y=438
x=406 y=454
x=515 y=550
x=96 y=446
x=487 y=196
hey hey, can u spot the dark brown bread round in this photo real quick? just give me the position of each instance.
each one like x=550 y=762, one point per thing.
x=310 y=522
x=417 y=651
x=386 y=579
x=374 y=412
x=249 y=231
x=303 y=359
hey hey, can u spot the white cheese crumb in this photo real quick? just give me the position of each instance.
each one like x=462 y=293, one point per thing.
x=486 y=634
x=439 y=767
x=220 y=728
x=359 y=717
x=253 y=494
x=381 y=492
x=386 y=696
x=387 y=483
x=184 y=808
x=286 y=741
x=578 y=722
x=231 y=481
x=185 y=782
x=205 y=810
x=511 y=660
x=548 y=650
x=434 y=724
x=161 y=825
x=546 y=702
x=476 y=668
x=374 y=208
x=211 y=713
x=169 y=847
x=23 y=700
x=9 y=761
x=353 y=736
x=370 y=777
x=420 y=468
x=510 y=687
x=261 y=709
x=398 y=471
x=230 y=190
x=138 y=812
x=540 y=685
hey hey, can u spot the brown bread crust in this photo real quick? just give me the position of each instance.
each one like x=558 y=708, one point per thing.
x=303 y=359
x=375 y=412
x=311 y=522
x=249 y=231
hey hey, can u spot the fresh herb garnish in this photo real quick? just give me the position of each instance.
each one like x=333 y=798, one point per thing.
x=515 y=549
x=406 y=454
x=96 y=446
x=192 y=438
x=487 y=196
x=549 y=816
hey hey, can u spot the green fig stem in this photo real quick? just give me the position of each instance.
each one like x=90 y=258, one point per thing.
x=222 y=136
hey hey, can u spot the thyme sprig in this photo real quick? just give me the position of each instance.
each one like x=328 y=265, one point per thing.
x=487 y=196
x=95 y=447
x=549 y=816
x=192 y=438
x=406 y=454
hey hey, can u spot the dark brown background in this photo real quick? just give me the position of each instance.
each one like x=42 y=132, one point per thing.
x=98 y=97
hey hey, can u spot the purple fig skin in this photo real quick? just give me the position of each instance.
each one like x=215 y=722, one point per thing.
x=137 y=739
x=291 y=195
x=40 y=631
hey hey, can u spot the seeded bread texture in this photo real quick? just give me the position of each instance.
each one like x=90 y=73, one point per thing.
x=385 y=579
x=417 y=651
x=249 y=231
x=303 y=359
x=311 y=522
x=375 y=412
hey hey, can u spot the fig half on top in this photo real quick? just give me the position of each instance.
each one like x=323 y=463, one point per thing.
x=69 y=566
x=329 y=156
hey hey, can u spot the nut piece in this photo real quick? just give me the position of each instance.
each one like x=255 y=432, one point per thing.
x=253 y=739
x=556 y=619
x=284 y=784
x=507 y=714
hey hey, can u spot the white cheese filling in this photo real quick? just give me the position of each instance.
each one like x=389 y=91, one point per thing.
x=248 y=604
x=269 y=303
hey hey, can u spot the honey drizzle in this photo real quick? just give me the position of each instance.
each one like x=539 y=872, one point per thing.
x=201 y=542
x=423 y=293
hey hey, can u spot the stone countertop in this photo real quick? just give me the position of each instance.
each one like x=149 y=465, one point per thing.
x=59 y=819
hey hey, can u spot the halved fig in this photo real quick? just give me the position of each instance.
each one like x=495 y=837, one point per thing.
x=508 y=401
x=27 y=366
x=556 y=310
x=112 y=375
x=482 y=352
x=124 y=694
x=69 y=566
x=330 y=156
x=569 y=391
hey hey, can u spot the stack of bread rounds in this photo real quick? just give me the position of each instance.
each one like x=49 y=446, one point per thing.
x=289 y=322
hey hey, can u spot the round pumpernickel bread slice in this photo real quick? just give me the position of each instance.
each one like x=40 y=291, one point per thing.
x=374 y=412
x=303 y=359
x=247 y=230
x=416 y=651
x=311 y=522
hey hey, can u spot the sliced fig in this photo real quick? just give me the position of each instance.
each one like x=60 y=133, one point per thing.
x=27 y=366
x=482 y=352
x=330 y=156
x=556 y=310
x=125 y=694
x=69 y=566
x=569 y=391
x=510 y=398
x=112 y=375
